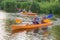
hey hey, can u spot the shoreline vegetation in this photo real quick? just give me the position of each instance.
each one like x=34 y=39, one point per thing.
x=56 y=32
x=35 y=6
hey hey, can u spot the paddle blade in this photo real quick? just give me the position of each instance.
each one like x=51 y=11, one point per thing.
x=50 y=16
x=18 y=20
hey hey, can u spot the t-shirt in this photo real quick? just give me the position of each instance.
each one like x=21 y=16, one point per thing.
x=36 y=19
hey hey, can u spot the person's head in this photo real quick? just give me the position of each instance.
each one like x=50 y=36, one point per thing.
x=36 y=15
x=23 y=11
x=44 y=17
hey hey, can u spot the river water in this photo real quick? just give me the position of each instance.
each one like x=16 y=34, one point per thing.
x=18 y=36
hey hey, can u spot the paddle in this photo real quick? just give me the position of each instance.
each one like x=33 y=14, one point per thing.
x=50 y=16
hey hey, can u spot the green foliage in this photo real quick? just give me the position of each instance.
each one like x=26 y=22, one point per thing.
x=1 y=1
x=37 y=0
x=47 y=6
x=23 y=5
x=56 y=32
x=39 y=6
x=57 y=10
x=1 y=5
x=35 y=7
x=10 y=6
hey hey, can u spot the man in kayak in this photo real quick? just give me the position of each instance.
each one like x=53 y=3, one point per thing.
x=36 y=21
x=45 y=29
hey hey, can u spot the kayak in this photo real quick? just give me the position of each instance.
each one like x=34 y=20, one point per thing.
x=27 y=27
x=29 y=14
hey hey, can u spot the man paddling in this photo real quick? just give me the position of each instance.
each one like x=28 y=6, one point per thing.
x=36 y=21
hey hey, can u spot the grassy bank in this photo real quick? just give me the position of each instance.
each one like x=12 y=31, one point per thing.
x=56 y=32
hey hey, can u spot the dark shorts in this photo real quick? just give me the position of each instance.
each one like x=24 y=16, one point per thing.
x=35 y=22
x=36 y=30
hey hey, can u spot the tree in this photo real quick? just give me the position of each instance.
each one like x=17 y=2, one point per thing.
x=42 y=0
x=1 y=1
x=35 y=7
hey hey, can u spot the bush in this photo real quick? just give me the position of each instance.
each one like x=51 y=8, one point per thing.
x=1 y=6
x=23 y=5
x=28 y=6
x=56 y=32
x=35 y=7
x=10 y=6
x=42 y=7
x=57 y=10
x=46 y=7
